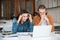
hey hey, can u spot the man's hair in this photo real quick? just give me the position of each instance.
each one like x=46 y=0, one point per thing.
x=41 y=7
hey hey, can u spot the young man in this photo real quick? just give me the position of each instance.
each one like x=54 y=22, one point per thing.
x=43 y=18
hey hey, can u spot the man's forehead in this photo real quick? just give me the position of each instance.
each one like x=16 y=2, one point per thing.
x=42 y=10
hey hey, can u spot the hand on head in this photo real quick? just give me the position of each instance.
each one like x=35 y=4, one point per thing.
x=20 y=16
x=30 y=17
x=24 y=17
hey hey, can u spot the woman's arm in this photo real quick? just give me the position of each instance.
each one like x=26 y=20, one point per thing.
x=15 y=25
x=30 y=17
x=30 y=27
x=30 y=23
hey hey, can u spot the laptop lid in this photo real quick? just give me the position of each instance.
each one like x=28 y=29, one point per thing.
x=40 y=31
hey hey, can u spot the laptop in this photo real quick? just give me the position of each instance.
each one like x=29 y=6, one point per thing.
x=42 y=31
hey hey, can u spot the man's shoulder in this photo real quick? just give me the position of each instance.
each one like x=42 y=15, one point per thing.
x=36 y=16
x=49 y=16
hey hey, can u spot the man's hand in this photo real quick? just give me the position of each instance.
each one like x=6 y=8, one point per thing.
x=45 y=17
x=42 y=19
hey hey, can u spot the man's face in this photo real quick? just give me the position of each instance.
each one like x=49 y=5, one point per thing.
x=42 y=11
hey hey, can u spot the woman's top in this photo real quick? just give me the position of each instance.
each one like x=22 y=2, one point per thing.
x=25 y=27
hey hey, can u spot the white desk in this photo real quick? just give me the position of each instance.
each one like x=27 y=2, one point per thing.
x=28 y=37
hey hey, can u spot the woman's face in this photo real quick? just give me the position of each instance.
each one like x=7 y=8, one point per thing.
x=24 y=17
x=42 y=11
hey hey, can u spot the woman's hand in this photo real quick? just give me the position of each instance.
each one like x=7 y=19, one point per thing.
x=30 y=17
x=19 y=18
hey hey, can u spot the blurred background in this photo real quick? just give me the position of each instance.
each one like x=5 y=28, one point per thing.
x=11 y=8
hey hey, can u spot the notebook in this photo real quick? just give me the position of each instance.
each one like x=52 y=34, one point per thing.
x=42 y=31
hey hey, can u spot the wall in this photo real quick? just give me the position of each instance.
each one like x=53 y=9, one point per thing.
x=55 y=12
x=4 y=9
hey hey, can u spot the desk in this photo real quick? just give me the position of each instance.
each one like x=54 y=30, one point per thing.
x=57 y=27
x=28 y=37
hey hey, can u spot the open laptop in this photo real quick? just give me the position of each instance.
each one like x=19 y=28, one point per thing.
x=42 y=31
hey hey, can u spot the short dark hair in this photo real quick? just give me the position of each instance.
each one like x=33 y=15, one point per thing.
x=41 y=7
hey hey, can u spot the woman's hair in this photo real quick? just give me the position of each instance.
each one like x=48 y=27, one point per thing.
x=35 y=13
x=23 y=12
x=42 y=7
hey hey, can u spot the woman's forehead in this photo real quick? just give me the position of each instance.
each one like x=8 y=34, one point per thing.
x=25 y=14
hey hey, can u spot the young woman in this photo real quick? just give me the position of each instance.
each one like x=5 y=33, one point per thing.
x=23 y=23
x=43 y=18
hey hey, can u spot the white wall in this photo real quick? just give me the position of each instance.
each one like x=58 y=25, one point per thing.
x=55 y=12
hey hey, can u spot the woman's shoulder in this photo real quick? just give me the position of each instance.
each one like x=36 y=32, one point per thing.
x=14 y=20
